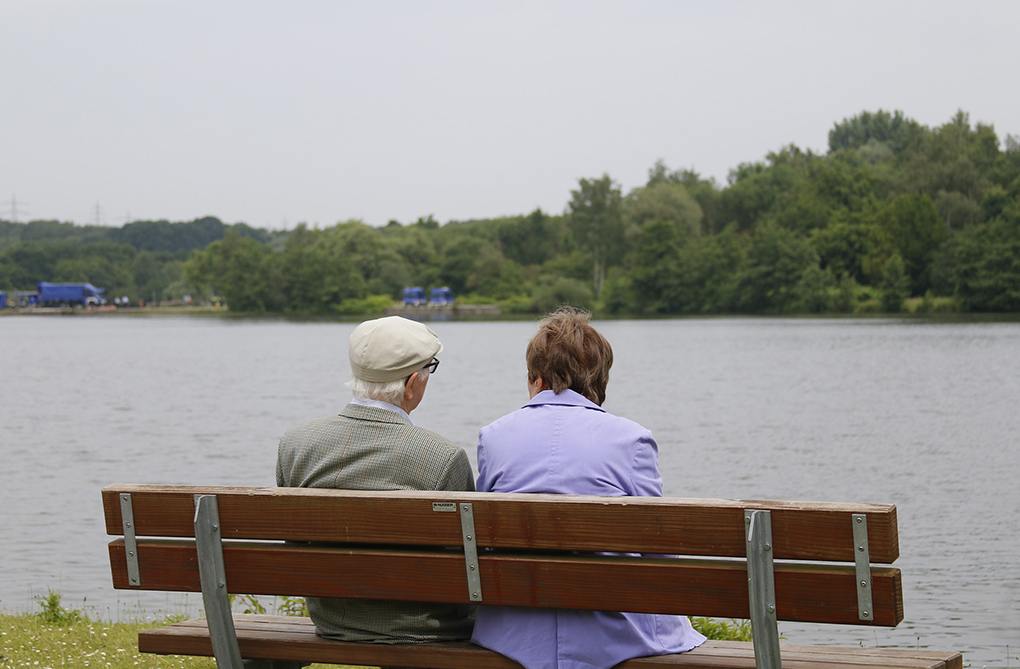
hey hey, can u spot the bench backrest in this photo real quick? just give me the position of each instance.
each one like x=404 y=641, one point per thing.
x=518 y=550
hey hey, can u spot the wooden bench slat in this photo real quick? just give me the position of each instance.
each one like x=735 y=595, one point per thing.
x=261 y=637
x=804 y=592
x=800 y=530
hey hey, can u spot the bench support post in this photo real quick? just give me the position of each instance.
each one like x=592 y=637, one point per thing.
x=214 y=583
x=761 y=588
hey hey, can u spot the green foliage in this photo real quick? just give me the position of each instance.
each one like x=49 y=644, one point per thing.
x=723 y=630
x=793 y=232
x=291 y=606
x=358 y=306
x=529 y=240
x=844 y=295
x=894 y=131
x=55 y=614
x=895 y=285
x=664 y=202
x=776 y=262
x=846 y=244
x=656 y=281
x=814 y=292
x=177 y=237
x=141 y=259
x=984 y=266
x=515 y=304
x=282 y=605
x=704 y=191
x=313 y=277
x=249 y=604
x=917 y=232
x=596 y=222
x=572 y=265
x=555 y=291
x=240 y=269
x=29 y=641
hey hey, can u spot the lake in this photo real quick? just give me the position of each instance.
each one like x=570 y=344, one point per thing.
x=924 y=414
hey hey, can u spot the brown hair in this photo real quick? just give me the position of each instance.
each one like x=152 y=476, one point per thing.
x=567 y=352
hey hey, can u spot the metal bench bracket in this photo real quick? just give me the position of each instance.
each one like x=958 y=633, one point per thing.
x=761 y=589
x=127 y=517
x=862 y=562
x=213 y=574
x=467 y=528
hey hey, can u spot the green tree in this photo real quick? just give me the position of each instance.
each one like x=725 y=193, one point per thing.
x=985 y=264
x=711 y=268
x=240 y=269
x=917 y=232
x=895 y=285
x=655 y=276
x=374 y=255
x=845 y=244
x=458 y=262
x=757 y=191
x=552 y=292
x=596 y=221
x=529 y=240
x=891 y=129
x=776 y=261
x=704 y=191
x=494 y=275
x=313 y=278
x=664 y=201
x=814 y=290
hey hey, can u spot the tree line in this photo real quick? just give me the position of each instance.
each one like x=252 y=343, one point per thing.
x=893 y=210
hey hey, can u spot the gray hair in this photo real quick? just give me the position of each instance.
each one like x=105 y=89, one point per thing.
x=384 y=391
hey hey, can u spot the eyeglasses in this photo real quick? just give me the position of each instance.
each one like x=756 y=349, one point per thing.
x=432 y=366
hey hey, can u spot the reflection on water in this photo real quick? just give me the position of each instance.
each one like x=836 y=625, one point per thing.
x=920 y=414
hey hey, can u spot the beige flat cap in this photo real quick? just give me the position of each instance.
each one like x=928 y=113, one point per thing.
x=391 y=348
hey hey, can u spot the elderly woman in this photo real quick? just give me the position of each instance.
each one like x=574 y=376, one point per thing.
x=563 y=441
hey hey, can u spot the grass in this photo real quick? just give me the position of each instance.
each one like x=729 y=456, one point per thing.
x=63 y=638
x=60 y=637
x=28 y=640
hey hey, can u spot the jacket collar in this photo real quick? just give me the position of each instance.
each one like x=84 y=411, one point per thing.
x=566 y=398
x=358 y=412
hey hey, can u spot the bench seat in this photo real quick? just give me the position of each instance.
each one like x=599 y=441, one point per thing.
x=267 y=637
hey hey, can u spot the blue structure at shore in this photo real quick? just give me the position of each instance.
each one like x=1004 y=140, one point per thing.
x=414 y=296
x=441 y=297
x=69 y=294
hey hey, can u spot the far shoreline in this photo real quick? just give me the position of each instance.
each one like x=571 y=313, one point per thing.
x=491 y=313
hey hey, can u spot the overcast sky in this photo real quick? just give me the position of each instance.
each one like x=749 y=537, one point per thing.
x=272 y=113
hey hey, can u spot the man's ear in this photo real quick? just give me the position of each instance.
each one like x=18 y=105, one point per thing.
x=410 y=382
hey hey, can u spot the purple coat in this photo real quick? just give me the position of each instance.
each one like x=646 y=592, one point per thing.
x=564 y=443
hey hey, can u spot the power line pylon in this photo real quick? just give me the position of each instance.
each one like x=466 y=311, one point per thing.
x=14 y=210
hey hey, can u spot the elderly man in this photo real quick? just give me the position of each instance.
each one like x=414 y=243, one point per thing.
x=373 y=445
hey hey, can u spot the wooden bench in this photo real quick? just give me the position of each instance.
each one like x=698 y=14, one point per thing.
x=767 y=561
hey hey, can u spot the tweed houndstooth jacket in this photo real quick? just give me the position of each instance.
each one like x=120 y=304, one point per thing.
x=368 y=448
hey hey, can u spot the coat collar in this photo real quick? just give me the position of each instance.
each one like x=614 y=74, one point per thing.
x=358 y=412
x=566 y=398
